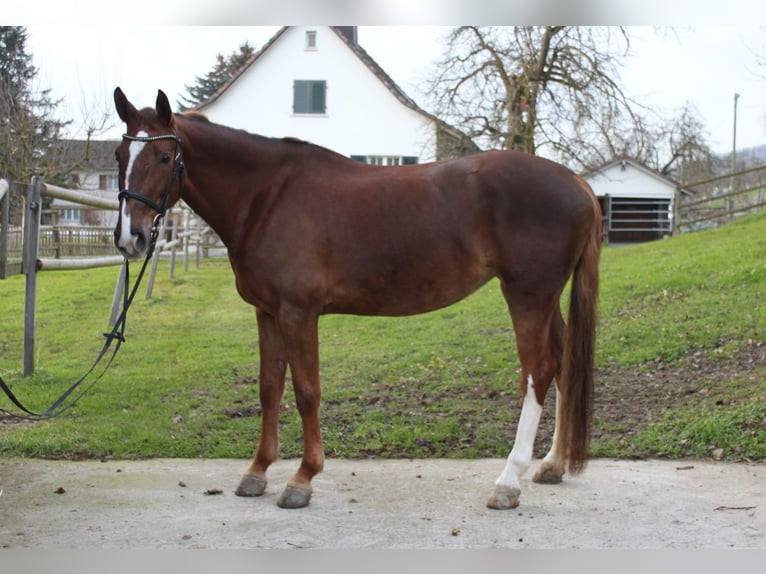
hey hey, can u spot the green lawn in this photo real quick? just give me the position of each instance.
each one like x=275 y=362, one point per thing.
x=442 y=384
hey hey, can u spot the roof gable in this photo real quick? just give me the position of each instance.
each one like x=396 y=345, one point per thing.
x=347 y=34
x=620 y=162
x=87 y=155
x=626 y=177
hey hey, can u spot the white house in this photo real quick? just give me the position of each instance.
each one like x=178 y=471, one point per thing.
x=636 y=201
x=94 y=171
x=318 y=84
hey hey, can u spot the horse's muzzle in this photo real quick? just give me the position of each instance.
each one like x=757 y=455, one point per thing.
x=131 y=245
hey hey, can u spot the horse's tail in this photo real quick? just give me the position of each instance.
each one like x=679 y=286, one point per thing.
x=579 y=349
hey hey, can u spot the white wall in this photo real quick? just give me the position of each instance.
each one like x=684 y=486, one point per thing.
x=631 y=181
x=363 y=117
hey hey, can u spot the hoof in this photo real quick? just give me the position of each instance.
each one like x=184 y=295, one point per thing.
x=548 y=474
x=294 y=497
x=504 y=498
x=251 y=486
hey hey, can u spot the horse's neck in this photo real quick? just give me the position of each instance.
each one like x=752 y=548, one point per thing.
x=218 y=187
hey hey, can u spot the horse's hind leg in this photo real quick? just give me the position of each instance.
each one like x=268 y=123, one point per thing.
x=531 y=320
x=271 y=388
x=551 y=470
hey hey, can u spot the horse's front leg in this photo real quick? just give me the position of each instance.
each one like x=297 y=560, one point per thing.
x=271 y=387
x=300 y=331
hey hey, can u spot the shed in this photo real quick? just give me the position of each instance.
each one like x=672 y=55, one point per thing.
x=637 y=202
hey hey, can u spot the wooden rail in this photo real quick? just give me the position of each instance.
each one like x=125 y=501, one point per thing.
x=31 y=247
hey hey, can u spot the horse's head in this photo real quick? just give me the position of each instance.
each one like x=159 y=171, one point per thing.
x=150 y=166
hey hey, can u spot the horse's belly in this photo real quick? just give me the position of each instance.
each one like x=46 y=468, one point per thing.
x=400 y=293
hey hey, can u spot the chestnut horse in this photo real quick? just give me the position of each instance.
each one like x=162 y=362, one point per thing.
x=309 y=232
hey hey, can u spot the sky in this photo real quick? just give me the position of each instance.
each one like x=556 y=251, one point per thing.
x=702 y=65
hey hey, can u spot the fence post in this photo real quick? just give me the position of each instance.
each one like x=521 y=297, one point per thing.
x=118 y=296
x=32 y=212
x=187 y=232
x=5 y=214
x=155 y=260
x=173 y=238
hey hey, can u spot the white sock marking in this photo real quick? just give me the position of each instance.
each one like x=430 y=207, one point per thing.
x=521 y=454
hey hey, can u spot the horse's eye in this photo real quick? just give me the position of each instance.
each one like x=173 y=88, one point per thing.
x=165 y=158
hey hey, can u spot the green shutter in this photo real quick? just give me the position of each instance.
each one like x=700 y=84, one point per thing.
x=300 y=97
x=362 y=158
x=318 y=92
x=409 y=160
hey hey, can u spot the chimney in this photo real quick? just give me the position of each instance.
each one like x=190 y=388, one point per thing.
x=349 y=32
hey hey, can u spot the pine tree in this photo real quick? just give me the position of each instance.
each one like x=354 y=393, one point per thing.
x=28 y=130
x=223 y=70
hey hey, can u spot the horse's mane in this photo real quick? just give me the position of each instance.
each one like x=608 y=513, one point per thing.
x=203 y=120
x=291 y=139
x=195 y=116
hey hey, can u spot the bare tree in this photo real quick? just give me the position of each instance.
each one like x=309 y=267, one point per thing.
x=557 y=90
x=535 y=87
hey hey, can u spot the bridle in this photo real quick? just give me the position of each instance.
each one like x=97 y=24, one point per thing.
x=117 y=333
x=177 y=174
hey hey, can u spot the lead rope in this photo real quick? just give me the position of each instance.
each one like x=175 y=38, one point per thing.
x=118 y=330
x=117 y=334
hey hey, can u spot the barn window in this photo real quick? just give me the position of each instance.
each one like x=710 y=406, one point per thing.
x=309 y=97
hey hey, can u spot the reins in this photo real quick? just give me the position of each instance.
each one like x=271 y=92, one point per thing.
x=117 y=333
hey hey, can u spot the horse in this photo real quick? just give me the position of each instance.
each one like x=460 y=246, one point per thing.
x=309 y=232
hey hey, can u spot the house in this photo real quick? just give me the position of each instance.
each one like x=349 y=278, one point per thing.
x=315 y=83
x=318 y=84
x=94 y=170
x=637 y=202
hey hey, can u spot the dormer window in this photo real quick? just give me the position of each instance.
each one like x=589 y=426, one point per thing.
x=311 y=40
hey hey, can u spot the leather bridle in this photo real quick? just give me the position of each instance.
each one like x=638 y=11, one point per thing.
x=177 y=174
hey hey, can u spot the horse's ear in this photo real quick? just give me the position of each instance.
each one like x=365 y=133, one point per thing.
x=163 y=108
x=125 y=109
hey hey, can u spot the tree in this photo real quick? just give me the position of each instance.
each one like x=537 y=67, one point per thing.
x=554 y=90
x=223 y=71
x=28 y=128
x=686 y=153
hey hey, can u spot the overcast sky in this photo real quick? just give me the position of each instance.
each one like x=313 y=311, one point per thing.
x=703 y=65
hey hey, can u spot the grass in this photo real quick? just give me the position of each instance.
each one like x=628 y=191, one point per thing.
x=443 y=384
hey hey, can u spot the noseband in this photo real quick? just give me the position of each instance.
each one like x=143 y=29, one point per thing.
x=178 y=168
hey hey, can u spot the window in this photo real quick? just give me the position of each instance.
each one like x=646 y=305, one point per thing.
x=386 y=159
x=69 y=215
x=311 y=40
x=309 y=97
x=107 y=181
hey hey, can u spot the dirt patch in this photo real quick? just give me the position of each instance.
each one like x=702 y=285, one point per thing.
x=628 y=400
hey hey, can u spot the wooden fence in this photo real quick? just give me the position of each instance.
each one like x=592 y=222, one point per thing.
x=28 y=247
x=719 y=200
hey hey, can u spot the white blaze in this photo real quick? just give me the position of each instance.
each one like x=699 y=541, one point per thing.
x=135 y=149
x=125 y=234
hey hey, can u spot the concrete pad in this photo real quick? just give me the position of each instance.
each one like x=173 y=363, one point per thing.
x=379 y=504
